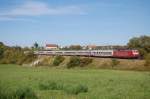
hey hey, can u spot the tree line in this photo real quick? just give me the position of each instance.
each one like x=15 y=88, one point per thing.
x=142 y=44
x=17 y=55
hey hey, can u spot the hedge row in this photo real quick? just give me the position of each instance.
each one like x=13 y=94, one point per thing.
x=77 y=61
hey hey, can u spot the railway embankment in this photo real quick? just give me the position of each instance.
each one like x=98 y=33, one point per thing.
x=96 y=63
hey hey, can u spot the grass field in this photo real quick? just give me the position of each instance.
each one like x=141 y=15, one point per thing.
x=100 y=84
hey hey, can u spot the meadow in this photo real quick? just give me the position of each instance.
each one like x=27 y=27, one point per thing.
x=52 y=83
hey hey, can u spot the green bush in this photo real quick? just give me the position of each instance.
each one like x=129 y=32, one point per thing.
x=16 y=55
x=58 y=60
x=147 y=60
x=71 y=89
x=76 y=89
x=77 y=61
x=25 y=93
x=114 y=62
x=73 y=62
x=45 y=62
x=20 y=93
x=85 y=61
x=50 y=85
x=29 y=57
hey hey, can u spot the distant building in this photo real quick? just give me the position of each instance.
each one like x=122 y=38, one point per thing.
x=107 y=47
x=51 y=47
x=91 y=47
x=111 y=47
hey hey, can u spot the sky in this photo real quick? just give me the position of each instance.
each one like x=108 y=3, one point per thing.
x=66 y=22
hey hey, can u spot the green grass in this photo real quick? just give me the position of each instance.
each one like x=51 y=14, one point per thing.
x=89 y=84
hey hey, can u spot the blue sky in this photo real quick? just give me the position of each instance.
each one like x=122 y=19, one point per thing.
x=65 y=22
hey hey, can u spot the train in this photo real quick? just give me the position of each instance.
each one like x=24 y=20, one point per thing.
x=92 y=53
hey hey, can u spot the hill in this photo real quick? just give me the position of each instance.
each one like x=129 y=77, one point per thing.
x=98 y=63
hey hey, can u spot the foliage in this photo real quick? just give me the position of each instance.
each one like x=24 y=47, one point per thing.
x=77 y=61
x=85 y=61
x=114 y=62
x=48 y=85
x=36 y=45
x=25 y=93
x=29 y=57
x=71 y=88
x=1 y=49
x=76 y=89
x=75 y=47
x=20 y=93
x=73 y=62
x=45 y=62
x=147 y=60
x=141 y=43
x=58 y=60
x=14 y=55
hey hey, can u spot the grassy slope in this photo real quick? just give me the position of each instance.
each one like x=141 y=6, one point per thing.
x=101 y=63
x=102 y=84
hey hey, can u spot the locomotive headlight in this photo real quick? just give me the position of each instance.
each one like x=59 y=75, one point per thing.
x=135 y=52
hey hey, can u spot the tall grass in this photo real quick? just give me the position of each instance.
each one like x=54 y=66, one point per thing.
x=50 y=85
x=68 y=88
x=73 y=83
x=76 y=89
x=19 y=93
x=25 y=93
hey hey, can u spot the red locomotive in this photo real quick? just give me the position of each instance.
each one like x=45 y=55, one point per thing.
x=126 y=54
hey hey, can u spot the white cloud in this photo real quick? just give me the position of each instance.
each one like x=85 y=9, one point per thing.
x=7 y=19
x=39 y=9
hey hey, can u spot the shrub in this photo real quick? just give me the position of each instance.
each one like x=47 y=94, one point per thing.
x=74 y=61
x=76 y=89
x=81 y=88
x=105 y=65
x=15 y=55
x=44 y=62
x=77 y=61
x=2 y=93
x=58 y=60
x=25 y=93
x=21 y=93
x=29 y=57
x=85 y=61
x=147 y=60
x=114 y=62
x=71 y=89
x=50 y=85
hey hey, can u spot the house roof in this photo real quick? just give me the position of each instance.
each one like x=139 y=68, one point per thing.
x=51 y=45
x=91 y=46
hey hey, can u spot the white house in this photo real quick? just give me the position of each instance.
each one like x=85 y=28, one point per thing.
x=51 y=47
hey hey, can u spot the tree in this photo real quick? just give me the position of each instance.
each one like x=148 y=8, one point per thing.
x=141 y=43
x=147 y=60
x=73 y=62
x=75 y=47
x=58 y=60
x=14 y=55
x=35 y=45
x=1 y=50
